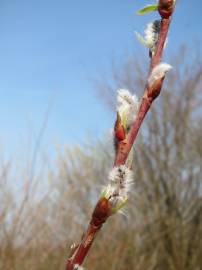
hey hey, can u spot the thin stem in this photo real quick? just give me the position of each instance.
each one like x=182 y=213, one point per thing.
x=83 y=248
x=123 y=149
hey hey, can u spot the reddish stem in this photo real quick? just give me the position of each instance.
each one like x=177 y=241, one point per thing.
x=83 y=248
x=165 y=23
x=99 y=216
x=101 y=211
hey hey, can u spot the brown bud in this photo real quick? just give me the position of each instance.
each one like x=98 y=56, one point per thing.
x=101 y=212
x=154 y=90
x=166 y=8
x=119 y=130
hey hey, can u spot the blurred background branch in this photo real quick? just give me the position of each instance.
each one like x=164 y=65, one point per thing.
x=164 y=227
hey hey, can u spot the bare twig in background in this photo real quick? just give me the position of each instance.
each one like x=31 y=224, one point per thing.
x=164 y=208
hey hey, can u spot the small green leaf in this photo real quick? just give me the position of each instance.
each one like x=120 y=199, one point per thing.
x=105 y=193
x=147 y=9
x=119 y=206
x=141 y=39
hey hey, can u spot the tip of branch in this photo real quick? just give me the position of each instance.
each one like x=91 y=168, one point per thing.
x=166 y=8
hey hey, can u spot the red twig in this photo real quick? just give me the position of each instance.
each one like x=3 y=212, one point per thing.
x=102 y=209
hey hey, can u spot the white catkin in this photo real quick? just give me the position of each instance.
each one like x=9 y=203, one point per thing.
x=127 y=105
x=119 y=186
x=152 y=32
x=151 y=35
x=158 y=73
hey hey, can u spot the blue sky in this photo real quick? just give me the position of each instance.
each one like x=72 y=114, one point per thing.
x=50 y=51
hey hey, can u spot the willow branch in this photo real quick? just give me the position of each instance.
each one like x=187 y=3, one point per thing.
x=102 y=209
